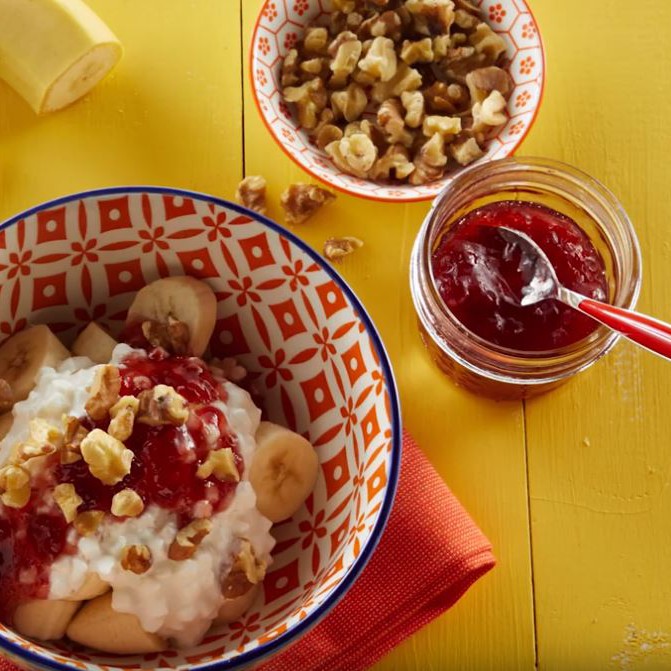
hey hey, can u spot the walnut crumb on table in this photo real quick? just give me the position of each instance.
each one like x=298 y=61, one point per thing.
x=337 y=248
x=251 y=193
x=301 y=201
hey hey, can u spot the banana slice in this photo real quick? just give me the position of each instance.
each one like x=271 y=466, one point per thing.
x=95 y=343
x=283 y=472
x=44 y=620
x=185 y=299
x=26 y=352
x=93 y=586
x=52 y=52
x=234 y=609
x=99 y=626
x=6 y=422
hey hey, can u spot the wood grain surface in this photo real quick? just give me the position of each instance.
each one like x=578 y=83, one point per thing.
x=573 y=488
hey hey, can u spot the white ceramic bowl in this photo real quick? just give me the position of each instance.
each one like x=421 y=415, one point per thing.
x=278 y=28
x=291 y=320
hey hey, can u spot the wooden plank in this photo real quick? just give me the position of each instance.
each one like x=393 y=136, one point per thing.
x=477 y=446
x=599 y=459
x=170 y=114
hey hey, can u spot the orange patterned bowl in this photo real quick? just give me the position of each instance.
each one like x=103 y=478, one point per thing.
x=290 y=319
x=278 y=28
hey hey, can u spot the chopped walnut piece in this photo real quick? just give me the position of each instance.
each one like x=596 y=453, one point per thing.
x=483 y=81
x=441 y=45
x=127 y=503
x=345 y=6
x=43 y=440
x=354 y=154
x=312 y=67
x=107 y=458
x=390 y=117
x=446 y=126
x=162 y=405
x=15 y=486
x=316 y=41
x=465 y=20
x=6 y=396
x=405 y=79
x=310 y=99
x=251 y=193
x=345 y=60
x=188 y=539
x=327 y=134
x=394 y=163
x=173 y=336
x=488 y=43
x=349 y=103
x=438 y=14
x=466 y=152
x=290 y=69
x=380 y=61
x=467 y=6
x=430 y=162
x=221 y=464
x=413 y=102
x=67 y=500
x=123 y=417
x=86 y=524
x=136 y=558
x=301 y=201
x=337 y=248
x=417 y=52
x=247 y=570
x=490 y=112
x=73 y=434
x=104 y=392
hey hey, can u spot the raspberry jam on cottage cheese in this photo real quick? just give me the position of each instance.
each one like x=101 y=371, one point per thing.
x=477 y=274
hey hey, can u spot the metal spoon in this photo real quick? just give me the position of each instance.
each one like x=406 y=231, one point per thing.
x=541 y=283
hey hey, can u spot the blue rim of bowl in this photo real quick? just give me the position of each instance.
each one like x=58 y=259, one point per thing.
x=311 y=620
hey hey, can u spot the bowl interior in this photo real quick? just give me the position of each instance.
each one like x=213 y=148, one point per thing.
x=288 y=318
x=279 y=27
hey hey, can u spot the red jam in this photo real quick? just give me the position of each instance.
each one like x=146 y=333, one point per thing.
x=477 y=274
x=163 y=473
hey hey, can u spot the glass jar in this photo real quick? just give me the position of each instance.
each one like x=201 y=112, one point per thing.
x=499 y=372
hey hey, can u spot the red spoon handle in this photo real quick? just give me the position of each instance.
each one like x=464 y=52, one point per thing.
x=646 y=331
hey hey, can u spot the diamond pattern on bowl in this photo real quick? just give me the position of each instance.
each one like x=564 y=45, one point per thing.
x=294 y=327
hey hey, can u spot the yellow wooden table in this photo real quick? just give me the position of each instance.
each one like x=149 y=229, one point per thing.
x=573 y=488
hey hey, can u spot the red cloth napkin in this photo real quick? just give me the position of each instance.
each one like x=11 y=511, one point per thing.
x=431 y=552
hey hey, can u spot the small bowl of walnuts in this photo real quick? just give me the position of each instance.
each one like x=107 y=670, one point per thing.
x=388 y=99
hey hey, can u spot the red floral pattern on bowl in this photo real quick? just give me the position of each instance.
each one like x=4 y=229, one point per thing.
x=512 y=19
x=296 y=326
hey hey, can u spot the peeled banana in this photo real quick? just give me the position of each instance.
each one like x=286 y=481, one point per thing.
x=99 y=626
x=95 y=343
x=24 y=354
x=183 y=298
x=52 y=52
x=92 y=587
x=234 y=609
x=44 y=620
x=283 y=472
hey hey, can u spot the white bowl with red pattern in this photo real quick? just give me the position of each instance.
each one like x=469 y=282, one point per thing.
x=281 y=23
x=290 y=319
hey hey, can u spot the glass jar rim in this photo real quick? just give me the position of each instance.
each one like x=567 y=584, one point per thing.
x=586 y=351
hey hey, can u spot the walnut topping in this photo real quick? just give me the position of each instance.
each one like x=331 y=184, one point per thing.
x=15 y=486
x=221 y=463
x=136 y=558
x=43 y=440
x=68 y=501
x=172 y=335
x=162 y=405
x=247 y=570
x=6 y=396
x=86 y=524
x=73 y=434
x=188 y=539
x=127 y=503
x=123 y=417
x=337 y=248
x=107 y=457
x=251 y=193
x=104 y=392
x=301 y=201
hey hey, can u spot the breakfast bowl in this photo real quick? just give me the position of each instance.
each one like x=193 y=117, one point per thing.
x=310 y=353
x=282 y=24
